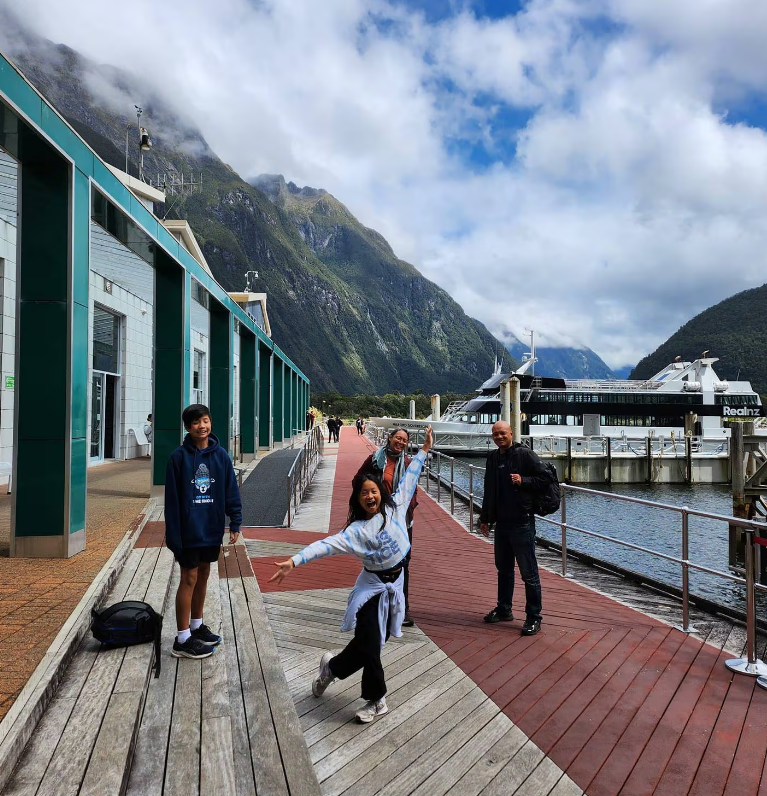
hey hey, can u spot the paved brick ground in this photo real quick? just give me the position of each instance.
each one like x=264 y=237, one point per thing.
x=38 y=595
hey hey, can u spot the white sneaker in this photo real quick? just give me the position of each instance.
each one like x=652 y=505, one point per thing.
x=325 y=677
x=372 y=711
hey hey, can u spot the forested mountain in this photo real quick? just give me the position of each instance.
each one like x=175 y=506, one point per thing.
x=566 y=363
x=733 y=330
x=351 y=315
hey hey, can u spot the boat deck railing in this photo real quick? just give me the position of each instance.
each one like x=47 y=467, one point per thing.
x=440 y=469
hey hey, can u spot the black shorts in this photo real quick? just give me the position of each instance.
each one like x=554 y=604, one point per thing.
x=192 y=557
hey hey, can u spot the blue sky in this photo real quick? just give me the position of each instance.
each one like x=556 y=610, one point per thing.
x=590 y=169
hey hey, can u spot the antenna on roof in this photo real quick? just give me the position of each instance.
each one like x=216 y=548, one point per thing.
x=705 y=352
x=249 y=277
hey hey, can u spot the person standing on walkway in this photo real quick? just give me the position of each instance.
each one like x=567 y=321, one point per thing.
x=149 y=432
x=375 y=532
x=337 y=427
x=390 y=462
x=513 y=475
x=360 y=426
x=200 y=489
x=331 y=424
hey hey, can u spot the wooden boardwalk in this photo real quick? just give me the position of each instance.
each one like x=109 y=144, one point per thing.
x=618 y=700
x=606 y=700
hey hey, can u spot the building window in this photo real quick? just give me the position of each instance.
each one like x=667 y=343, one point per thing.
x=106 y=341
x=116 y=223
x=200 y=295
x=198 y=377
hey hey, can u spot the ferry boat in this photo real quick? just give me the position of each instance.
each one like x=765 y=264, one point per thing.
x=683 y=396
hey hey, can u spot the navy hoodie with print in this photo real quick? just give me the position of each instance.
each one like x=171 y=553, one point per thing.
x=200 y=488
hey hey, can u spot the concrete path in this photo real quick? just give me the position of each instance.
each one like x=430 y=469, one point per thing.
x=264 y=493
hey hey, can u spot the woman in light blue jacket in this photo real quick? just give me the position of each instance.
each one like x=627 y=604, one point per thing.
x=375 y=532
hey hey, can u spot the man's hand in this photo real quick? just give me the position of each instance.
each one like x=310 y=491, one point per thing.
x=233 y=537
x=516 y=479
x=485 y=528
x=284 y=568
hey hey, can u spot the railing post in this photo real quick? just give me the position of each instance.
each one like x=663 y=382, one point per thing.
x=452 y=485
x=686 y=628
x=289 y=497
x=471 y=498
x=439 y=477
x=563 y=526
x=749 y=665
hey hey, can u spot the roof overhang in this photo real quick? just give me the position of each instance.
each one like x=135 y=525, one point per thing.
x=146 y=193
x=181 y=230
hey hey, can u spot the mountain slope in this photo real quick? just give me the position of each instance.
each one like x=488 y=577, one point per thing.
x=351 y=315
x=567 y=363
x=733 y=330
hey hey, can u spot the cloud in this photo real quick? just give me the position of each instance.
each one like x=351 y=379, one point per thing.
x=586 y=168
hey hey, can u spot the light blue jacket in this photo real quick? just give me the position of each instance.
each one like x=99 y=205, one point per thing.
x=380 y=547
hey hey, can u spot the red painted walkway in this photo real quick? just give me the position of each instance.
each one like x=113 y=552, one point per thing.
x=622 y=702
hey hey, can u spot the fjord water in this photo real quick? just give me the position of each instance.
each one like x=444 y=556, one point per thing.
x=653 y=528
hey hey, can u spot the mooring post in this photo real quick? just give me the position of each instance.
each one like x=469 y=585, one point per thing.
x=688 y=460
x=739 y=506
x=648 y=444
x=609 y=460
x=516 y=409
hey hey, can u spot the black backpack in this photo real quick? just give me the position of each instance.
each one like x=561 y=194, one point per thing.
x=548 y=502
x=126 y=623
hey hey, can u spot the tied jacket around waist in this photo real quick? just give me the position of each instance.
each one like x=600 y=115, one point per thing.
x=517 y=501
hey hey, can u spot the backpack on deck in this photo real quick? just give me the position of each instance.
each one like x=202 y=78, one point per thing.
x=126 y=623
x=548 y=502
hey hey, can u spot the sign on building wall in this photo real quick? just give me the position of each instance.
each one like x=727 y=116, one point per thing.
x=9 y=382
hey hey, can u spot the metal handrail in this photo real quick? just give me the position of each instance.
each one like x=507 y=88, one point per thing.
x=303 y=468
x=749 y=665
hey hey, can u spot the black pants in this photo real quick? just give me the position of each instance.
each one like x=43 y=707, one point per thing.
x=516 y=542
x=364 y=652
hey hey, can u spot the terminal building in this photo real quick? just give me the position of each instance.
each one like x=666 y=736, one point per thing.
x=110 y=314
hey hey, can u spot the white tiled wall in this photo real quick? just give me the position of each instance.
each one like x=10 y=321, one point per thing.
x=135 y=393
x=7 y=337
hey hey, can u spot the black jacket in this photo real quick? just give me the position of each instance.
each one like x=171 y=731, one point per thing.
x=535 y=480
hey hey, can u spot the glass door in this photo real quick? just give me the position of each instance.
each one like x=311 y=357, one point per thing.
x=97 y=417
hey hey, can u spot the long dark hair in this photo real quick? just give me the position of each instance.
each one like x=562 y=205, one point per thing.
x=356 y=512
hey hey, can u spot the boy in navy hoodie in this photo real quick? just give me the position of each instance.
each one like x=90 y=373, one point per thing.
x=200 y=489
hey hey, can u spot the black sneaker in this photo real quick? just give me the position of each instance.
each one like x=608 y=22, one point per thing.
x=497 y=615
x=531 y=627
x=206 y=635
x=408 y=621
x=191 y=648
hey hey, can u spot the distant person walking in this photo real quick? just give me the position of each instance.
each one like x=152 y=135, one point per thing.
x=337 y=427
x=331 y=424
x=360 y=426
x=149 y=432
x=376 y=533
x=389 y=463
x=312 y=418
x=513 y=475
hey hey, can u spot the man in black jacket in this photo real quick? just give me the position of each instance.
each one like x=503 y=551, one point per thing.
x=514 y=475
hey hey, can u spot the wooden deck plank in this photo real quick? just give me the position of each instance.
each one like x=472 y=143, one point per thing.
x=147 y=773
x=396 y=747
x=669 y=730
x=513 y=775
x=487 y=766
x=243 y=764
x=217 y=756
x=215 y=685
x=68 y=763
x=459 y=763
x=357 y=741
x=542 y=781
x=182 y=767
x=714 y=768
x=267 y=762
x=299 y=773
x=437 y=755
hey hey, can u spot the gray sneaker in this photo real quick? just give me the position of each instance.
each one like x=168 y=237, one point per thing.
x=325 y=676
x=372 y=711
